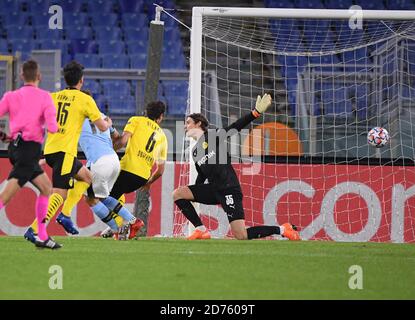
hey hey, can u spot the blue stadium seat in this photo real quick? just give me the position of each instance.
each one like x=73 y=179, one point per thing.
x=114 y=88
x=75 y=19
x=138 y=61
x=22 y=45
x=338 y=4
x=408 y=92
x=78 y=32
x=15 y=19
x=20 y=32
x=41 y=20
x=329 y=62
x=84 y=46
x=131 y=6
x=108 y=33
x=69 y=5
x=400 y=5
x=136 y=34
x=309 y=4
x=88 y=60
x=105 y=6
x=173 y=48
x=111 y=47
x=63 y=45
x=173 y=62
x=102 y=20
x=164 y=3
x=336 y=102
x=136 y=47
x=279 y=3
x=320 y=39
x=291 y=65
x=115 y=61
x=176 y=105
x=38 y=6
x=101 y=102
x=356 y=60
x=171 y=34
x=4 y=48
x=372 y=5
x=11 y=5
x=175 y=88
x=346 y=34
x=91 y=85
x=48 y=34
x=122 y=105
x=134 y=20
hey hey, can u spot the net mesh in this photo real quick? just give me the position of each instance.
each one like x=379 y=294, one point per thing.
x=331 y=82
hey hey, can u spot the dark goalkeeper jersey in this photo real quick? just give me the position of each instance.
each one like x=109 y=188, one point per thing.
x=211 y=156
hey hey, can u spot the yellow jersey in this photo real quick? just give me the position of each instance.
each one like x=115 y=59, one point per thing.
x=72 y=106
x=147 y=144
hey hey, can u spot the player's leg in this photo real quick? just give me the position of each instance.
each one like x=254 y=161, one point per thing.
x=201 y=193
x=231 y=201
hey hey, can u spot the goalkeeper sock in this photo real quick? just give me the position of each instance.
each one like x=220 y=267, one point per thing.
x=262 y=231
x=41 y=211
x=105 y=215
x=116 y=207
x=55 y=201
x=189 y=212
x=74 y=196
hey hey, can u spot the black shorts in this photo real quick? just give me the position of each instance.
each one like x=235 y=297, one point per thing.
x=25 y=160
x=63 y=173
x=230 y=199
x=126 y=182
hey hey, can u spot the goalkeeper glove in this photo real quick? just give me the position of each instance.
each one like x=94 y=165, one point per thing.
x=262 y=104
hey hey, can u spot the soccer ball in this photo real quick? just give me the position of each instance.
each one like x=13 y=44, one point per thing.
x=378 y=137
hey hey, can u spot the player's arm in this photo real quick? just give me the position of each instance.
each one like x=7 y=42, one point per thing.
x=160 y=164
x=103 y=124
x=50 y=115
x=121 y=140
x=261 y=105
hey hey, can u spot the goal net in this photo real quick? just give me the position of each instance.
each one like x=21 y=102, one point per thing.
x=333 y=75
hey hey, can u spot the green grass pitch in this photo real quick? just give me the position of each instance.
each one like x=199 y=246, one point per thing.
x=159 y=268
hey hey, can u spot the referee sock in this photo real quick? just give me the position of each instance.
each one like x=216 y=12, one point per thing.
x=262 y=231
x=115 y=206
x=189 y=212
x=41 y=210
x=1 y=205
x=74 y=196
x=55 y=201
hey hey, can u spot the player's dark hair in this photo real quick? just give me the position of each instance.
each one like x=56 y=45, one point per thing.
x=30 y=70
x=73 y=73
x=198 y=117
x=155 y=109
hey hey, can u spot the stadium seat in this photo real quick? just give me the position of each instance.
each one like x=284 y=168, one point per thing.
x=173 y=62
x=105 y=6
x=84 y=46
x=41 y=19
x=78 y=32
x=75 y=19
x=138 y=61
x=63 y=45
x=48 y=34
x=108 y=33
x=115 y=61
x=372 y=5
x=131 y=6
x=4 y=48
x=136 y=34
x=111 y=47
x=176 y=105
x=172 y=34
x=88 y=60
x=279 y=3
x=338 y=4
x=11 y=5
x=336 y=102
x=115 y=88
x=101 y=102
x=106 y=19
x=134 y=20
x=38 y=6
x=91 y=85
x=309 y=4
x=69 y=5
x=136 y=47
x=400 y=5
x=15 y=19
x=22 y=45
x=123 y=105
x=20 y=32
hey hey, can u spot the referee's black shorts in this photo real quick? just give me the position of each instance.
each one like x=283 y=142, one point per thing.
x=126 y=182
x=230 y=199
x=63 y=173
x=25 y=160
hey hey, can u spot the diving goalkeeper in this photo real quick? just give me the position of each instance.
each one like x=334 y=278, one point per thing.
x=223 y=187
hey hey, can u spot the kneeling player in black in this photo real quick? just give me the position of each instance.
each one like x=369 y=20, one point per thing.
x=213 y=163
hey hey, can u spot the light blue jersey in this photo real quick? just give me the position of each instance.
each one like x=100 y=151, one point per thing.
x=95 y=143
